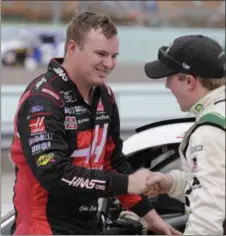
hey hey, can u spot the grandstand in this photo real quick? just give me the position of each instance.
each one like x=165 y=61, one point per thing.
x=148 y=13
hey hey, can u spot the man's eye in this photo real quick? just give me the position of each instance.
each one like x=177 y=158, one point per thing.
x=101 y=54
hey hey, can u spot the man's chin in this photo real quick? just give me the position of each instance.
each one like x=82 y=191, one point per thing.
x=99 y=81
x=184 y=109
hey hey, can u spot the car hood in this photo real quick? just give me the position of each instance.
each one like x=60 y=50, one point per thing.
x=156 y=134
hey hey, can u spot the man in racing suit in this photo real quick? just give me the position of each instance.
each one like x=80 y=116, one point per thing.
x=199 y=86
x=67 y=149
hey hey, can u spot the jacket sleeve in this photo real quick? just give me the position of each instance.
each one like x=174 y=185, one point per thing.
x=206 y=153
x=178 y=188
x=44 y=144
x=115 y=160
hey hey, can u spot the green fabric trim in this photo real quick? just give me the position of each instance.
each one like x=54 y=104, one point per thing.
x=214 y=118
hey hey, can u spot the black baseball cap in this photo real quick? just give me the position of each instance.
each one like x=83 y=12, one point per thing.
x=197 y=55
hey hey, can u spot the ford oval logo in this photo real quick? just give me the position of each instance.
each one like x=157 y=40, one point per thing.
x=36 y=109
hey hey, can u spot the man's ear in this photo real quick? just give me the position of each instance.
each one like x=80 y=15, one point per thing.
x=72 y=47
x=191 y=82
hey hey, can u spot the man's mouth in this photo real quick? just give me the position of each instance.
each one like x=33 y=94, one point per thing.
x=102 y=73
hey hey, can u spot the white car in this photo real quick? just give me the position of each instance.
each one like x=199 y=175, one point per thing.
x=40 y=46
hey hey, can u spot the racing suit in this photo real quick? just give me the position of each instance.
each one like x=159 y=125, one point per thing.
x=67 y=154
x=201 y=184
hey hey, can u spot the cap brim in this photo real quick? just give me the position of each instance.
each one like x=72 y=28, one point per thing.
x=157 y=70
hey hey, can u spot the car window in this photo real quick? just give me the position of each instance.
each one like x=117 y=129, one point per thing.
x=161 y=158
x=167 y=154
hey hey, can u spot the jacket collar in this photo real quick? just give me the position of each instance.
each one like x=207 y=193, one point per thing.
x=199 y=108
x=56 y=68
x=56 y=63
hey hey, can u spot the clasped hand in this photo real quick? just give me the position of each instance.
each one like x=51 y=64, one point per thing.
x=149 y=183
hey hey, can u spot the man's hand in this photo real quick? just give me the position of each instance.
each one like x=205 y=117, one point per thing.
x=158 y=225
x=158 y=183
x=137 y=181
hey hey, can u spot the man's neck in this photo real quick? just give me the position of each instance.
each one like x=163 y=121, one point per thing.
x=198 y=96
x=83 y=87
x=201 y=94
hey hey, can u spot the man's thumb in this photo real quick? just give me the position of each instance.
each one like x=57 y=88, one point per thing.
x=153 y=179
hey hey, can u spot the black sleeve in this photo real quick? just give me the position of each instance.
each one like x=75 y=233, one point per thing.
x=43 y=140
x=138 y=204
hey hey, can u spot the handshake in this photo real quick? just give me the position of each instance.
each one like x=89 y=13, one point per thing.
x=149 y=183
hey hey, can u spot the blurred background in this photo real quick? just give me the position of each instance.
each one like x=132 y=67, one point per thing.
x=32 y=32
x=143 y=13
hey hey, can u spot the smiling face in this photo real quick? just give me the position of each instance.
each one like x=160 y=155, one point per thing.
x=183 y=88
x=95 y=58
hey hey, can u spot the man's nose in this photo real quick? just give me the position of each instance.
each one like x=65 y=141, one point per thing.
x=108 y=62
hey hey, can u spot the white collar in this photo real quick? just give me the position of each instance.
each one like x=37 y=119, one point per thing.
x=208 y=99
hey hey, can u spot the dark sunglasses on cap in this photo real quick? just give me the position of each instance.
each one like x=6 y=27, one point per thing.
x=164 y=57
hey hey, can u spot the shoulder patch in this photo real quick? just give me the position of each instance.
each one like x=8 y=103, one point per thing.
x=41 y=82
x=213 y=118
x=47 y=91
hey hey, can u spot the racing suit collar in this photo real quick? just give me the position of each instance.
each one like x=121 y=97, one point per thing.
x=55 y=63
x=199 y=108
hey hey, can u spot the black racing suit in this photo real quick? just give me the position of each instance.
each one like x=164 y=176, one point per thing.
x=67 y=155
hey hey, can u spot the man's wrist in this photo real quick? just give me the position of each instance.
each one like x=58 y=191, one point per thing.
x=150 y=216
x=171 y=182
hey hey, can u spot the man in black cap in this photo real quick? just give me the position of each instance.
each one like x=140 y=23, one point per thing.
x=194 y=67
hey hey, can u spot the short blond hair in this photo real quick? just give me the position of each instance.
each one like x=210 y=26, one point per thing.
x=208 y=83
x=82 y=23
x=211 y=83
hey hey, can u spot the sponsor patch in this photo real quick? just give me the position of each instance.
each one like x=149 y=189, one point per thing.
x=40 y=137
x=51 y=93
x=40 y=82
x=197 y=148
x=196 y=184
x=83 y=120
x=69 y=96
x=70 y=122
x=199 y=107
x=61 y=73
x=75 y=109
x=69 y=110
x=103 y=117
x=86 y=183
x=40 y=147
x=81 y=109
x=37 y=125
x=36 y=109
x=45 y=159
x=100 y=106
x=87 y=208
